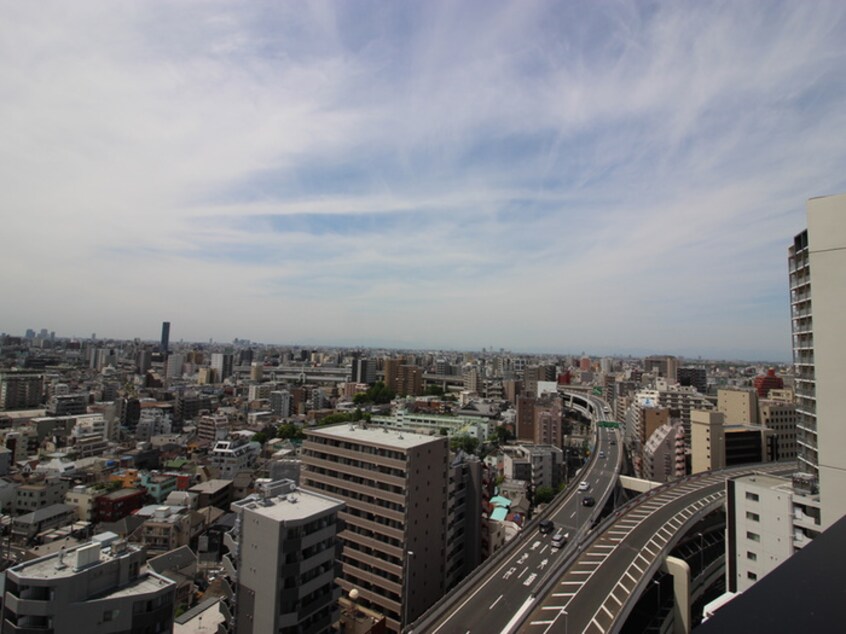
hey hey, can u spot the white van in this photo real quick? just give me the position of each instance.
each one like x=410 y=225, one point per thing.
x=583 y=486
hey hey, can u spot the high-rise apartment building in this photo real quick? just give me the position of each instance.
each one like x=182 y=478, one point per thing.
x=395 y=486
x=410 y=380
x=221 y=363
x=694 y=377
x=819 y=344
x=391 y=370
x=739 y=405
x=663 y=365
x=283 y=552
x=19 y=390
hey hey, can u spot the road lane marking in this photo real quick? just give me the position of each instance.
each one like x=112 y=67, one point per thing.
x=495 y=602
x=523 y=573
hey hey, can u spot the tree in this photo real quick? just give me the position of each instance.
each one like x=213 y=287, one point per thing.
x=260 y=437
x=503 y=434
x=289 y=431
x=377 y=393
x=544 y=495
x=468 y=444
x=332 y=419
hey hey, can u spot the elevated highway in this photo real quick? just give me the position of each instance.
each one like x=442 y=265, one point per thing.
x=503 y=588
x=597 y=586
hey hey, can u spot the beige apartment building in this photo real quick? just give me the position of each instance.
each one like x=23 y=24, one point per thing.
x=707 y=441
x=395 y=486
x=739 y=405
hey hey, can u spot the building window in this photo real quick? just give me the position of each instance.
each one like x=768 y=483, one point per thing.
x=753 y=537
x=751 y=556
x=754 y=517
x=751 y=576
x=752 y=497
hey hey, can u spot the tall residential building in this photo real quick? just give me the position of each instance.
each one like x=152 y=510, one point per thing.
x=280 y=403
x=173 y=366
x=664 y=365
x=363 y=371
x=681 y=401
x=694 y=377
x=781 y=418
x=409 y=380
x=163 y=347
x=20 y=390
x=283 y=552
x=819 y=346
x=221 y=363
x=391 y=369
x=707 y=441
x=739 y=405
x=102 y=587
x=395 y=487
x=802 y=327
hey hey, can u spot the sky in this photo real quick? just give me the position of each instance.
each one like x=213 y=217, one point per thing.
x=608 y=177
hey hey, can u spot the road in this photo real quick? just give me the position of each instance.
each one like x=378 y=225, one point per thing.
x=598 y=588
x=497 y=601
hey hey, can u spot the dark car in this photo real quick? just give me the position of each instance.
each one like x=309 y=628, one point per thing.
x=545 y=526
x=588 y=501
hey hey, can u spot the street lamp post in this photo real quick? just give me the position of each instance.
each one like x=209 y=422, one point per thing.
x=406 y=595
x=701 y=555
x=566 y=621
x=658 y=584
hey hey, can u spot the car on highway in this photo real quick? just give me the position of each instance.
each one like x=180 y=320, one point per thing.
x=601 y=454
x=583 y=486
x=588 y=500
x=560 y=539
x=545 y=526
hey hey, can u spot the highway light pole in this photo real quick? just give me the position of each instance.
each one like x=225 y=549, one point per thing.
x=701 y=556
x=658 y=583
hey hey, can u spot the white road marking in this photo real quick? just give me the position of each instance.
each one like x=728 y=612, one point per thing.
x=495 y=602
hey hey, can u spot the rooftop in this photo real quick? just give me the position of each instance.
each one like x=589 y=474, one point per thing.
x=64 y=564
x=286 y=503
x=393 y=439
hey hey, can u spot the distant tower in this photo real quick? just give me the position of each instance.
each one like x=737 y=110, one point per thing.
x=165 y=336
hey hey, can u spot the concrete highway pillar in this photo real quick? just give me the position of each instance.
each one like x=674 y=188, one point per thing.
x=680 y=572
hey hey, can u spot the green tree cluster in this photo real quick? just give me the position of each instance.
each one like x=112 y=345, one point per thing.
x=290 y=431
x=377 y=393
x=467 y=443
x=544 y=495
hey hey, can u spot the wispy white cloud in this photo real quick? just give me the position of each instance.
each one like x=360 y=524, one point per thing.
x=524 y=174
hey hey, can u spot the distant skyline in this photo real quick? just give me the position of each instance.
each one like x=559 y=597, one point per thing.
x=620 y=177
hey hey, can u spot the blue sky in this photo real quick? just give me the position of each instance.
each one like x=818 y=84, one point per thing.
x=598 y=176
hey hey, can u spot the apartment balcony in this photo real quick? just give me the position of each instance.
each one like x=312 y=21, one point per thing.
x=230 y=542
x=317 y=536
x=360 y=472
x=28 y=607
x=375 y=527
x=318 y=449
x=229 y=568
x=342 y=484
x=805 y=521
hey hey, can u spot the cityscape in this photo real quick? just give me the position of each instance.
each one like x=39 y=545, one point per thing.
x=429 y=318
x=244 y=487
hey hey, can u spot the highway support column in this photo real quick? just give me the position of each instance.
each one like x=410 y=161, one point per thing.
x=680 y=572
